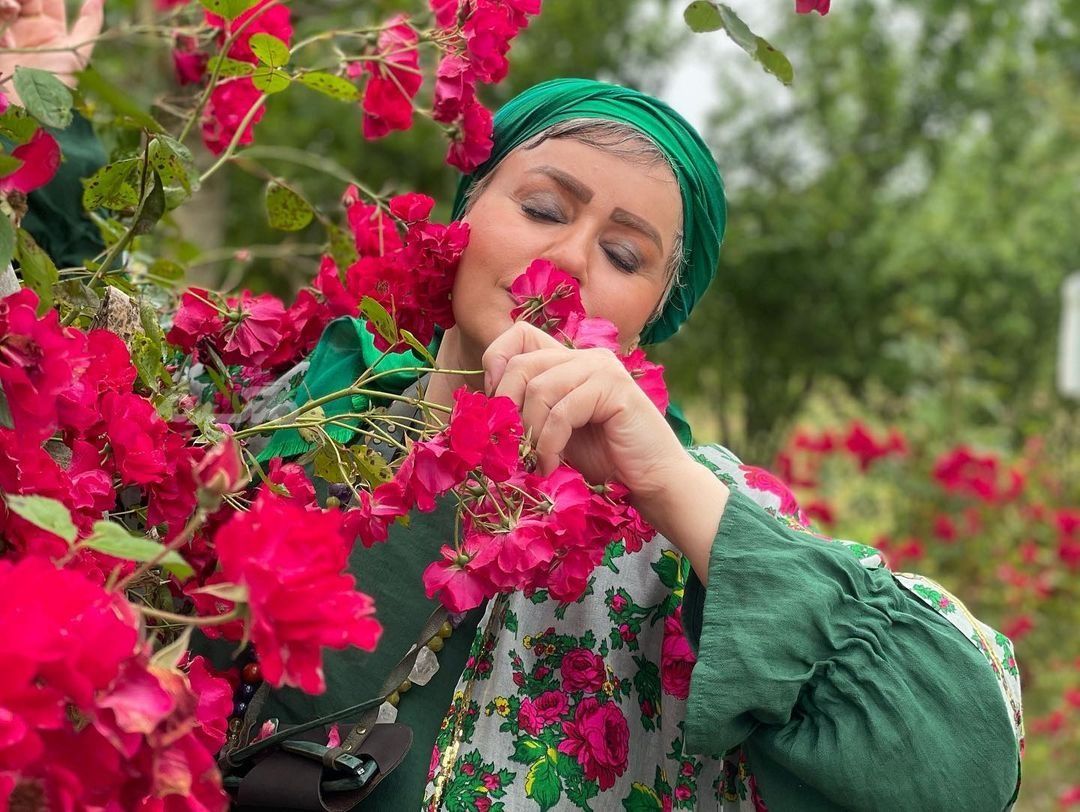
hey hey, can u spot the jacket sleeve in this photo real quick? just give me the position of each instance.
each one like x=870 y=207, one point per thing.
x=843 y=687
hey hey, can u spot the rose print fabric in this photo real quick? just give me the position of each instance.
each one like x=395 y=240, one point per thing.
x=585 y=705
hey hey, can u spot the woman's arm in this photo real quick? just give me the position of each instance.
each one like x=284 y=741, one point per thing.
x=844 y=689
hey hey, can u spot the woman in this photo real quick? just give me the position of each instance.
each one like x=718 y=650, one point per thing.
x=821 y=680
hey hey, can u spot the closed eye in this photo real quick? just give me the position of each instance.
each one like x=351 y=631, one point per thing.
x=543 y=215
x=622 y=263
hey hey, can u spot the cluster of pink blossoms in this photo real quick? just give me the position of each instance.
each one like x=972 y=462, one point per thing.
x=474 y=38
x=232 y=98
x=410 y=274
x=409 y=271
x=87 y=717
x=87 y=720
x=480 y=55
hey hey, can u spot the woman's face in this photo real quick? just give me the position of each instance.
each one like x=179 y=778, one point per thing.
x=608 y=221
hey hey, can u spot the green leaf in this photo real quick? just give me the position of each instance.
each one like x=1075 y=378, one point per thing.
x=542 y=784
x=227 y=67
x=74 y=294
x=774 y=61
x=269 y=50
x=270 y=80
x=16 y=124
x=37 y=268
x=668 y=569
x=703 y=16
x=337 y=87
x=169 y=657
x=641 y=799
x=326 y=465
x=342 y=247
x=527 y=750
x=120 y=101
x=112 y=539
x=44 y=96
x=369 y=465
x=417 y=347
x=8 y=164
x=48 y=514
x=7 y=242
x=377 y=315
x=112 y=186
x=146 y=356
x=285 y=209
x=229 y=9
x=152 y=208
x=173 y=161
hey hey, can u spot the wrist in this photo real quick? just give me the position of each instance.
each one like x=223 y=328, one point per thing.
x=687 y=510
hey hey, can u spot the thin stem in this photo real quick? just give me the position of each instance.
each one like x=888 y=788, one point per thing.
x=229 y=150
x=191 y=620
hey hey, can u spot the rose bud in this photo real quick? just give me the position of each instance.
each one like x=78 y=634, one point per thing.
x=221 y=471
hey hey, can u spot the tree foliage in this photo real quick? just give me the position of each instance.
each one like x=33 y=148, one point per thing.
x=918 y=189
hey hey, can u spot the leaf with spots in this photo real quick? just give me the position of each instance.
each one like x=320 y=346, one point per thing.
x=286 y=210
x=112 y=186
x=337 y=87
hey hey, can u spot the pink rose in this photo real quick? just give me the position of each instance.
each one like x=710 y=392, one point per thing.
x=599 y=739
x=676 y=658
x=582 y=670
x=535 y=714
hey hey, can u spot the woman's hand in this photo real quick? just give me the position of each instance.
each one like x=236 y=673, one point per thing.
x=43 y=24
x=584 y=407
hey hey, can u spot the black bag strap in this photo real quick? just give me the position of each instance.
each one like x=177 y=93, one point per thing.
x=234 y=757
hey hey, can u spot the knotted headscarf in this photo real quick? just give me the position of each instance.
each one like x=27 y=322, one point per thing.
x=702 y=189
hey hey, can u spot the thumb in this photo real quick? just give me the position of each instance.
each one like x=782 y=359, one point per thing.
x=87 y=26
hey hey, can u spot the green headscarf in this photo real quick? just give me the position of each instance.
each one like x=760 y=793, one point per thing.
x=704 y=209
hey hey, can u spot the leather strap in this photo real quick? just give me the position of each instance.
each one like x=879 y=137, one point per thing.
x=396 y=676
x=231 y=758
x=294 y=779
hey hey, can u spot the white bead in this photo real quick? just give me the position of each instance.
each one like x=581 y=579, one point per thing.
x=387 y=713
x=427 y=663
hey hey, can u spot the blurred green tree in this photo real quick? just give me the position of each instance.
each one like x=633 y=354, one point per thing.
x=918 y=189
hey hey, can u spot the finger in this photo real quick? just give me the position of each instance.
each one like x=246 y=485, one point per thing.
x=518 y=338
x=581 y=406
x=87 y=27
x=548 y=388
x=523 y=368
x=53 y=9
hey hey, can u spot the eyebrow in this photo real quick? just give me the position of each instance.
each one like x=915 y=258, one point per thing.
x=584 y=194
x=625 y=218
x=571 y=184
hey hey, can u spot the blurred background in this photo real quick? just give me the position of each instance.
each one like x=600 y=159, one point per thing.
x=884 y=330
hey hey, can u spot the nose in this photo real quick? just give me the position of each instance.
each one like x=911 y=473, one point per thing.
x=570 y=251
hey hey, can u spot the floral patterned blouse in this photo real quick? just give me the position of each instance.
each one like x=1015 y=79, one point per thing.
x=808 y=677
